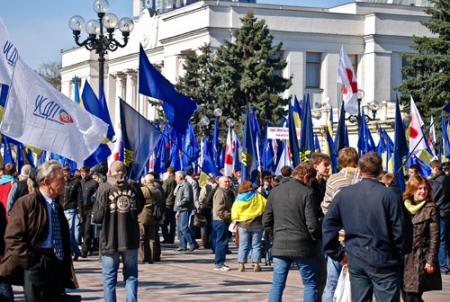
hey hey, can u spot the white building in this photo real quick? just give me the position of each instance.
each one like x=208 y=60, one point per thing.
x=373 y=33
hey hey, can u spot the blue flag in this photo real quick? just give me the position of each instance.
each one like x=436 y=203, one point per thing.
x=365 y=139
x=191 y=150
x=268 y=153
x=177 y=107
x=307 y=133
x=447 y=107
x=139 y=137
x=293 y=141
x=97 y=107
x=7 y=153
x=341 y=138
x=76 y=92
x=316 y=144
x=249 y=168
x=400 y=147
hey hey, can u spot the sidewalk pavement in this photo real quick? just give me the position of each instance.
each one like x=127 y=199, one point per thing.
x=190 y=276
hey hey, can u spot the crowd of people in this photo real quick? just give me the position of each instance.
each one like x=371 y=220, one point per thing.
x=393 y=243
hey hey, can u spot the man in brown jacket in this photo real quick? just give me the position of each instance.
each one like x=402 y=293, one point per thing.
x=149 y=218
x=37 y=241
x=222 y=202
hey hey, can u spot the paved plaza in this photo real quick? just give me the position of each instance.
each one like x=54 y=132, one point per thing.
x=191 y=277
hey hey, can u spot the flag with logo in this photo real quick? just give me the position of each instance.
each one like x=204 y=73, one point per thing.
x=40 y=116
x=347 y=79
x=307 y=133
x=139 y=138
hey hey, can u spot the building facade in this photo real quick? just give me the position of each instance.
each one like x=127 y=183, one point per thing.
x=373 y=33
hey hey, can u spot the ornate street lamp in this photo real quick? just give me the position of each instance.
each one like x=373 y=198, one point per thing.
x=373 y=107
x=97 y=39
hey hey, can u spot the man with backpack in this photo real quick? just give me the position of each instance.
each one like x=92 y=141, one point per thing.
x=149 y=218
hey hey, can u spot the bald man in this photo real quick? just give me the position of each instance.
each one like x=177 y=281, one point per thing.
x=116 y=208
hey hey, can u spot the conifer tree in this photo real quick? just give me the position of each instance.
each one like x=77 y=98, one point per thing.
x=249 y=68
x=428 y=70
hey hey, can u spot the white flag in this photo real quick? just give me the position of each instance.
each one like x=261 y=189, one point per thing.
x=347 y=78
x=40 y=116
x=284 y=160
x=417 y=142
x=230 y=150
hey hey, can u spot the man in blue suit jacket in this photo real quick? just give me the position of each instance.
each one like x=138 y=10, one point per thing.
x=378 y=232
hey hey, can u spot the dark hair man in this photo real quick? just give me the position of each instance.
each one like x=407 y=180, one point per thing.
x=441 y=196
x=378 y=234
x=291 y=215
x=88 y=189
x=72 y=203
x=37 y=240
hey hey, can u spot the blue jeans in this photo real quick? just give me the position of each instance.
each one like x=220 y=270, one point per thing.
x=366 y=281
x=444 y=243
x=250 y=239
x=221 y=245
x=74 y=229
x=308 y=270
x=110 y=266
x=184 y=231
x=333 y=271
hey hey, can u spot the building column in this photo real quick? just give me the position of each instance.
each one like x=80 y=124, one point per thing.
x=120 y=93
x=131 y=88
x=295 y=68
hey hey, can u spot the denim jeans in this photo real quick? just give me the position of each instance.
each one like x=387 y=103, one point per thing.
x=444 y=243
x=333 y=271
x=74 y=228
x=250 y=239
x=366 y=281
x=221 y=245
x=110 y=266
x=308 y=270
x=184 y=231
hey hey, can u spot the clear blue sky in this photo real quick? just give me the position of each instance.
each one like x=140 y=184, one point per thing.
x=40 y=27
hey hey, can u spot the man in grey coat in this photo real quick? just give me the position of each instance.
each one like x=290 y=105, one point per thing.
x=184 y=203
x=291 y=214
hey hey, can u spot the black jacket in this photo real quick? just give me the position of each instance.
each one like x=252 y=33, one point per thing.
x=441 y=194
x=291 y=214
x=71 y=198
x=88 y=189
x=378 y=231
x=117 y=205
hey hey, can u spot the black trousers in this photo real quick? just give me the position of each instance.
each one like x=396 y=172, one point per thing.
x=87 y=230
x=43 y=281
x=206 y=230
x=149 y=245
x=169 y=227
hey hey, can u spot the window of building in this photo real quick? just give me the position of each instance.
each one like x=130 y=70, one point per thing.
x=313 y=66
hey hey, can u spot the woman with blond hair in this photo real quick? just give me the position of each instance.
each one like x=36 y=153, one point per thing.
x=247 y=212
x=421 y=272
